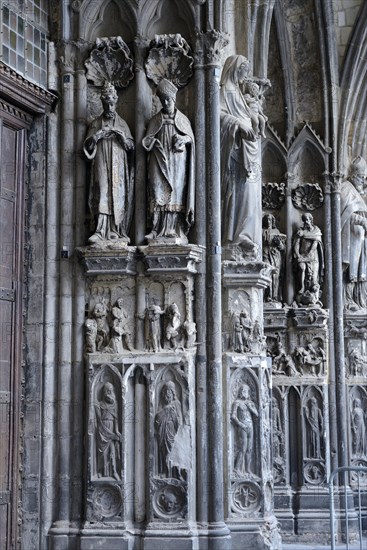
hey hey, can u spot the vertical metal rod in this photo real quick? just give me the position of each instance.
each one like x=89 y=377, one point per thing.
x=346 y=509
x=332 y=511
x=359 y=513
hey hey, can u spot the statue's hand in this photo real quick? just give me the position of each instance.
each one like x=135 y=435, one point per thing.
x=247 y=133
x=179 y=143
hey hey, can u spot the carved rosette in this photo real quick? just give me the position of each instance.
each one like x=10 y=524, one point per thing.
x=106 y=502
x=110 y=61
x=246 y=498
x=308 y=196
x=273 y=195
x=169 y=57
x=169 y=499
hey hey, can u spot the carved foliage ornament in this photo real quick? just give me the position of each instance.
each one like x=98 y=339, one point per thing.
x=170 y=58
x=110 y=61
x=273 y=195
x=308 y=196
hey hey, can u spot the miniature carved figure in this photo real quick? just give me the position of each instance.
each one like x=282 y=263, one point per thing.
x=237 y=340
x=171 y=168
x=173 y=326
x=357 y=363
x=253 y=99
x=277 y=432
x=246 y=324
x=167 y=422
x=243 y=410
x=309 y=260
x=258 y=340
x=315 y=424
x=241 y=199
x=273 y=254
x=354 y=236
x=100 y=315
x=120 y=333
x=109 y=144
x=282 y=362
x=190 y=331
x=310 y=357
x=359 y=434
x=153 y=327
x=108 y=436
x=90 y=335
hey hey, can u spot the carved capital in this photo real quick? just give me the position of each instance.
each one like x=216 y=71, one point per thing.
x=336 y=179
x=214 y=42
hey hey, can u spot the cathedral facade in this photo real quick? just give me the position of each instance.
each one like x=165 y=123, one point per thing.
x=183 y=272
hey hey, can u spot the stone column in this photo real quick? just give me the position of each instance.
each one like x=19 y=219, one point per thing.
x=218 y=531
x=61 y=530
x=340 y=372
x=200 y=286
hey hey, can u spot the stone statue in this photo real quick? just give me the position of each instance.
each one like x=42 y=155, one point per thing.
x=100 y=316
x=277 y=432
x=282 y=363
x=359 y=434
x=108 y=436
x=167 y=422
x=315 y=423
x=308 y=357
x=190 y=333
x=243 y=410
x=357 y=363
x=237 y=340
x=353 y=210
x=153 y=327
x=309 y=262
x=251 y=93
x=120 y=333
x=241 y=190
x=173 y=326
x=109 y=145
x=90 y=335
x=273 y=254
x=171 y=168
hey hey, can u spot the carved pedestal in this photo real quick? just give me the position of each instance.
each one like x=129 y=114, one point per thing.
x=249 y=477
x=140 y=362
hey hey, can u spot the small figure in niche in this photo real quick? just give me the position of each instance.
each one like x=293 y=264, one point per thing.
x=315 y=423
x=108 y=437
x=120 y=333
x=190 y=331
x=90 y=335
x=100 y=315
x=243 y=410
x=167 y=422
x=153 y=327
x=358 y=423
x=171 y=168
x=309 y=259
x=273 y=254
x=173 y=327
x=109 y=145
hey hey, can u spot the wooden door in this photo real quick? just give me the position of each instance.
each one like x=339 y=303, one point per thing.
x=12 y=170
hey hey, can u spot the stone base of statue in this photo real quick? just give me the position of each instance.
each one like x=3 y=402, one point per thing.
x=111 y=257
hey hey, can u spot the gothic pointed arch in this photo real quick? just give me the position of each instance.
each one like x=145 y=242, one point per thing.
x=107 y=18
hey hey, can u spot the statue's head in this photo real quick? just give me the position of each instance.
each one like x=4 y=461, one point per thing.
x=357 y=173
x=307 y=220
x=169 y=392
x=253 y=89
x=108 y=393
x=167 y=91
x=268 y=221
x=109 y=99
x=244 y=391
